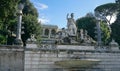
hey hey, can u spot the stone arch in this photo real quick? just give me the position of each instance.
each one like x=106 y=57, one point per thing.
x=47 y=32
x=53 y=31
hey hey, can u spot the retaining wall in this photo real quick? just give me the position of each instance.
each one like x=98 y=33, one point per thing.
x=43 y=60
x=11 y=58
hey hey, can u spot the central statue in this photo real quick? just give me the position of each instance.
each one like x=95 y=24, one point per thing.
x=71 y=26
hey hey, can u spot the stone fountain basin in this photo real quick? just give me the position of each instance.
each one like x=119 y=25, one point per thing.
x=81 y=63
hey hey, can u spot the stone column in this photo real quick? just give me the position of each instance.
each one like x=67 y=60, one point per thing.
x=85 y=36
x=99 y=33
x=81 y=34
x=18 y=40
x=49 y=33
x=43 y=32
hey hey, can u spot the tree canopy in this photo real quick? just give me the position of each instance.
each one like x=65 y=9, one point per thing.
x=106 y=10
x=115 y=29
x=8 y=9
x=29 y=8
x=105 y=33
x=8 y=20
x=89 y=23
x=31 y=25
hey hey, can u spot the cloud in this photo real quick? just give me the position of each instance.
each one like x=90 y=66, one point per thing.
x=43 y=6
x=43 y=20
x=40 y=6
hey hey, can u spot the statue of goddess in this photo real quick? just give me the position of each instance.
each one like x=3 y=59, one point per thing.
x=72 y=29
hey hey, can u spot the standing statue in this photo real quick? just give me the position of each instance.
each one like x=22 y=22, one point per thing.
x=72 y=29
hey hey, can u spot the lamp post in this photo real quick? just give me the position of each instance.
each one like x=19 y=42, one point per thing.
x=18 y=40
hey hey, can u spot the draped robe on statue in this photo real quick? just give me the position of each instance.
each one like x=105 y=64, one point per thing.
x=72 y=29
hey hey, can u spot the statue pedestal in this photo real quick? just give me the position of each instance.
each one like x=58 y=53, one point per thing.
x=18 y=42
x=113 y=43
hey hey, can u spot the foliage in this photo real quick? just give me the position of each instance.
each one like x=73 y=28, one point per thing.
x=7 y=16
x=106 y=10
x=115 y=29
x=87 y=23
x=105 y=33
x=8 y=20
x=2 y=39
x=7 y=11
x=31 y=26
x=29 y=8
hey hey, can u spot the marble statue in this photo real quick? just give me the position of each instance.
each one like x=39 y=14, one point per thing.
x=72 y=29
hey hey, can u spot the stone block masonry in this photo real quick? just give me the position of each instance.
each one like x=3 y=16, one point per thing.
x=43 y=60
x=11 y=58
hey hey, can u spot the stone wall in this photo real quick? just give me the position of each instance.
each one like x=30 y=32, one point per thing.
x=11 y=58
x=41 y=60
x=36 y=61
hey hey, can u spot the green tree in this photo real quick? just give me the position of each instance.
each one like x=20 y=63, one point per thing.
x=7 y=16
x=88 y=23
x=115 y=30
x=8 y=20
x=29 y=8
x=31 y=26
x=116 y=25
x=106 y=10
x=105 y=33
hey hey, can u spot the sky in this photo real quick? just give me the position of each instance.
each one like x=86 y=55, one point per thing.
x=53 y=12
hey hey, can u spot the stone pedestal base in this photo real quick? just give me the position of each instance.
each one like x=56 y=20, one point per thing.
x=18 y=42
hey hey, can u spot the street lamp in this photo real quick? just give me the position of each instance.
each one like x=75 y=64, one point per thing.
x=18 y=40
